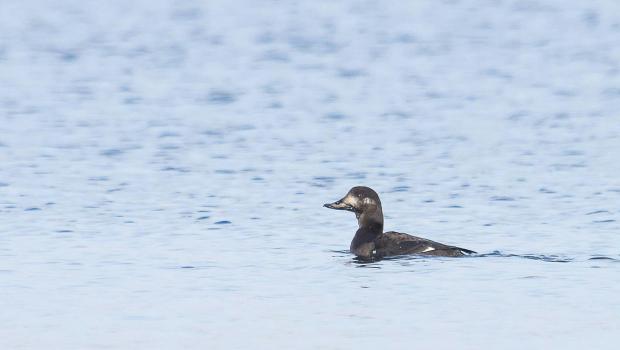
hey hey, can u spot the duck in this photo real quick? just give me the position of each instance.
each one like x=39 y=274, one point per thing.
x=370 y=242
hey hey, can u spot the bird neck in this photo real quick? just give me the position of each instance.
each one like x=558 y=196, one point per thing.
x=370 y=227
x=371 y=220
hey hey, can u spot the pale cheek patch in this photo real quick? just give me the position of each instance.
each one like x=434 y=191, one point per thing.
x=350 y=200
x=369 y=201
x=428 y=249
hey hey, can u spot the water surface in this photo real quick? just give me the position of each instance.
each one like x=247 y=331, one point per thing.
x=163 y=167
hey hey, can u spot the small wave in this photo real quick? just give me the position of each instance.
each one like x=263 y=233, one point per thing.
x=598 y=257
x=598 y=212
x=603 y=221
x=495 y=254
x=540 y=257
x=340 y=251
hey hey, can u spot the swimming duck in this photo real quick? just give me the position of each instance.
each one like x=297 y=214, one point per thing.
x=371 y=242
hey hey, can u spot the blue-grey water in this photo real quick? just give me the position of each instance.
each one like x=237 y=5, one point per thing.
x=163 y=166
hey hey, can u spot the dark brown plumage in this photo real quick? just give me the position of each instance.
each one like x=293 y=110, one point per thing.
x=370 y=241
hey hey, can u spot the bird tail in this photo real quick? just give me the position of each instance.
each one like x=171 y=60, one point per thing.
x=467 y=251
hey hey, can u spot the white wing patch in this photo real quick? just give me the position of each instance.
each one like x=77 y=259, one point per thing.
x=427 y=249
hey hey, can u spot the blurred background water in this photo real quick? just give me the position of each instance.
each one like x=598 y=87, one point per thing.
x=163 y=166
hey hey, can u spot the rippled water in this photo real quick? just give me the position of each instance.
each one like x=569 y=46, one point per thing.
x=163 y=167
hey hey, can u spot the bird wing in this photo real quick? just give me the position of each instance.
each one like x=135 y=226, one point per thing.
x=397 y=243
